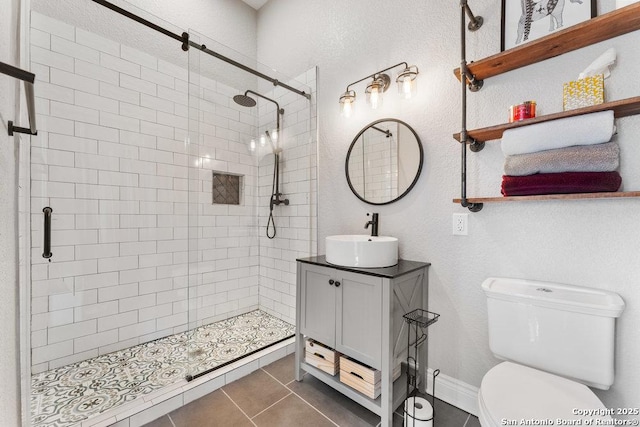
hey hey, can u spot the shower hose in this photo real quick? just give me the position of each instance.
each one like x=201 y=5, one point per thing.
x=271 y=225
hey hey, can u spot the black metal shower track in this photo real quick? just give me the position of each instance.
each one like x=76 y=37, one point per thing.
x=186 y=43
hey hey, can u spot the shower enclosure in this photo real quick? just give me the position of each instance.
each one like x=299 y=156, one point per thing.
x=153 y=190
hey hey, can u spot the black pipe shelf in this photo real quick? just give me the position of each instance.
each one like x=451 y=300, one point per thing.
x=613 y=24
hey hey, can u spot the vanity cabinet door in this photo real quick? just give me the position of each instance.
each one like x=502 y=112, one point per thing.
x=318 y=308
x=359 y=318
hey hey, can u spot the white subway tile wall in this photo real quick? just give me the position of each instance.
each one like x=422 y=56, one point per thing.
x=139 y=251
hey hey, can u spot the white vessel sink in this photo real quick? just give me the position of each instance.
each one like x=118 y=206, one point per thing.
x=361 y=250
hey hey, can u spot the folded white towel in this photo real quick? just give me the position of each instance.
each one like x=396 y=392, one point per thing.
x=587 y=129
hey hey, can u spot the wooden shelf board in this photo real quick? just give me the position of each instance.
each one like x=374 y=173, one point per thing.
x=621 y=108
x=576 y=196
x=600 y=28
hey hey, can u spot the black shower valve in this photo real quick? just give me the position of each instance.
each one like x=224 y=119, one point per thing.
x=275 y=200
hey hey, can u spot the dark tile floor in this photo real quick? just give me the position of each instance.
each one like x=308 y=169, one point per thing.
x=270 y=397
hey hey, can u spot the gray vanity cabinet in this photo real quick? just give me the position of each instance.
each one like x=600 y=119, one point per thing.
x=318 y=308
x=343 y=310
x=358 y=312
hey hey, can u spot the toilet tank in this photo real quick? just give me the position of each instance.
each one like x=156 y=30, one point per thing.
x=563 y=329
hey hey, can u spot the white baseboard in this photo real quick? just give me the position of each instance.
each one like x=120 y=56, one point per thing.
x=454 y=392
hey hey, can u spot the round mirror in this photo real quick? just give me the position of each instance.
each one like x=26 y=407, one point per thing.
x=384 y=161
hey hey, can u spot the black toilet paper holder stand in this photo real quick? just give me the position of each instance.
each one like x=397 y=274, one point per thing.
x=418 y=321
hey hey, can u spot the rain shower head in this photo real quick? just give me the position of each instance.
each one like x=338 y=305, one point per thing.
x=244 y=100
x=247 y=101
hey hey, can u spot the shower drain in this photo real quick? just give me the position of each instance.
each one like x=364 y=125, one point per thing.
x=198 y=352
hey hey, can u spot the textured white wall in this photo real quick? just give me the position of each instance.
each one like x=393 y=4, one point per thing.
x=592 y=243
x=9 y=367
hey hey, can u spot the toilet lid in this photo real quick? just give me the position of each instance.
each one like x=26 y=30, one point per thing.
x=514 y=392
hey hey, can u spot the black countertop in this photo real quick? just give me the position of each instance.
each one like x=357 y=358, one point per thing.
x=402 y=267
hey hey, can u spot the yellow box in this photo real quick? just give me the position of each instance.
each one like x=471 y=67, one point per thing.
x=583 y=93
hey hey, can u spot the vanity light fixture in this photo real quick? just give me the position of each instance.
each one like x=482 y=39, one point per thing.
x=380 y=82
x=375 y=89
x=407 y=85
x=346 y=103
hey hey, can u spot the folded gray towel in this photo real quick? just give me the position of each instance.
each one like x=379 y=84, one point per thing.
x=580 y=158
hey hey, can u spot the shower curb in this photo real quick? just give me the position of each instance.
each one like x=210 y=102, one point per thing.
x=154 y=405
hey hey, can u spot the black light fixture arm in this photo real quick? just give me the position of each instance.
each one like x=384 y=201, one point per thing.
x=186 y=43
x=377 y=73
x=28 y=79
x=464 y=137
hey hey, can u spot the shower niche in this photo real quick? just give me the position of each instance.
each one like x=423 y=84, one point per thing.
x=226 y=188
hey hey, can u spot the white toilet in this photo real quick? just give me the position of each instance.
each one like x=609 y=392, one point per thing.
x=557 y=340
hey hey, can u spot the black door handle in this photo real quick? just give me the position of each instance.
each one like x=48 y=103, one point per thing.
x=331 y=282
x=337 y=284
x=47 y=232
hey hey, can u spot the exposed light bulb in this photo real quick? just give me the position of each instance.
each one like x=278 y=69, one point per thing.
x=346 y=103
x=347 y=108
x=375 y=97
x=407 y=82
x=274 y=135
x=252 y=145
x=406 y=87
x=263 y=140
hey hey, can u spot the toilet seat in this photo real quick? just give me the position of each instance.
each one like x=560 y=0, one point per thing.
x=515 y=392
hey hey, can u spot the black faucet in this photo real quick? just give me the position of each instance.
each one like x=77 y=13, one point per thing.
x=374 y=224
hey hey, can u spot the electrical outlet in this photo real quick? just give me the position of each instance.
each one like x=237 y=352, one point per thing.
x=460 y=224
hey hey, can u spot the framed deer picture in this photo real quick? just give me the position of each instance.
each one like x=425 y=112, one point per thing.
x=527 y=20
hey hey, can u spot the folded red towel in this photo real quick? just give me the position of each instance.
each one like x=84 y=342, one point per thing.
x=560 y=183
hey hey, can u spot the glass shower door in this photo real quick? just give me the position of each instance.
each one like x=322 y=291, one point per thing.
x=108 y=168
x=223 y=251
x=242 y=283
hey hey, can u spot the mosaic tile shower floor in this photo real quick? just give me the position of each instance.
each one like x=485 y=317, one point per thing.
x=71 y=394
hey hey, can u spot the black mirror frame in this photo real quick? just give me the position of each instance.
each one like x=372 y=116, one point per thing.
x=353 y=143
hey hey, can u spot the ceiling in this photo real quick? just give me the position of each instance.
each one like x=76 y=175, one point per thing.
x=256 y=4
